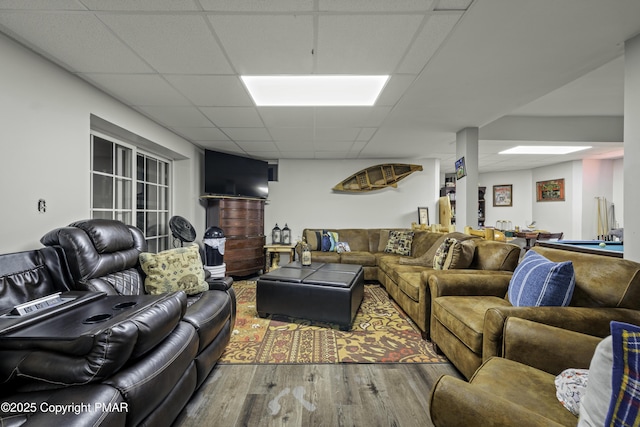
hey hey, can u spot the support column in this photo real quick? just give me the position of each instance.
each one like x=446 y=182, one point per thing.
x=467 y=187
x=631 y=148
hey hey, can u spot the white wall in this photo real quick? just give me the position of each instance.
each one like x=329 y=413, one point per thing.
x=303 y=196
x=44 y=143
x=522 y=196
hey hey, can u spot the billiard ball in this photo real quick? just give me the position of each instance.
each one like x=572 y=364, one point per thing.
x=602 y=244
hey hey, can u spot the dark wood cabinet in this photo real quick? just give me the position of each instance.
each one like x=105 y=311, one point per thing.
x=450 y=191
x=242 y=221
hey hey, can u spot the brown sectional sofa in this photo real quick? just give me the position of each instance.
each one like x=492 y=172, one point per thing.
x=406 y=278
x=469 y=312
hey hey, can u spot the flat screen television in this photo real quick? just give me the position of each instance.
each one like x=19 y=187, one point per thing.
x=230 y=175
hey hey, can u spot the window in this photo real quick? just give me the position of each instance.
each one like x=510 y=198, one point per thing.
x=114 y=176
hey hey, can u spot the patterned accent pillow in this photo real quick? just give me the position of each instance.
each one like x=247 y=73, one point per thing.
x=442 y=252
x=624 y=407
x=399 y=242
x=342 y=247
x=571 y=386
x=454 y=254
x=538 y=282
x=178 y=269
x=329 y=240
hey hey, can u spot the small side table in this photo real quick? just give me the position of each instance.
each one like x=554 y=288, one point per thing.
x=272 y=255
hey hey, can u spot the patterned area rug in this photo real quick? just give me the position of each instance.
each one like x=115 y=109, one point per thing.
x=381 y=333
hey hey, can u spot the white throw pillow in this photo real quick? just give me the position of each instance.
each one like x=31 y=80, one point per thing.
x=595 y=404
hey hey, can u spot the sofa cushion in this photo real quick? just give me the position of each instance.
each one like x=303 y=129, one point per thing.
x=174 y=270
x=531 y=390
x=314 y=239
x=538 y=281
x=366 y=259
x=319 y=256
x=409 y=284
x=463 y=316
x=399 y=242
x=426 y=259
x=384 y=239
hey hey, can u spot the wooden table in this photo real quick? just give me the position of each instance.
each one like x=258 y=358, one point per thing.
x=529 y=236
x=272 y=255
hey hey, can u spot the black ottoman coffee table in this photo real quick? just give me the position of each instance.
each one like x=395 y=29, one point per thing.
x=323 y=292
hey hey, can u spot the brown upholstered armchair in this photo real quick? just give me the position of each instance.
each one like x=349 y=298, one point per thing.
x=469 y=311
x=519 y=389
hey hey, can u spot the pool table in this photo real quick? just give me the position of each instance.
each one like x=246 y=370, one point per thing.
x=614 y=249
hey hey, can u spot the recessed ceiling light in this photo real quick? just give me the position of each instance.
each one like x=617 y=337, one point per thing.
x=314 y=90
x=543 y=149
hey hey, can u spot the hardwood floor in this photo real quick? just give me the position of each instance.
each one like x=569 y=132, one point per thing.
x=315 y=395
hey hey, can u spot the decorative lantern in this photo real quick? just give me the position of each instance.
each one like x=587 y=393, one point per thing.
x=286 y=235
x=276 y=235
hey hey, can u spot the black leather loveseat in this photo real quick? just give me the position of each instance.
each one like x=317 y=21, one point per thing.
x=139 y=367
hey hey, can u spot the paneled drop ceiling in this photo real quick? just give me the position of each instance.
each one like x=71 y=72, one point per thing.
x=524 y=72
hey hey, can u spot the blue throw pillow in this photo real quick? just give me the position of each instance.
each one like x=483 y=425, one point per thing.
x=326 y=241
x=538 y=282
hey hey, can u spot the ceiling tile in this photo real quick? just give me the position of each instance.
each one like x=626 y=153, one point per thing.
x=257 y=146
x=375 y=5
x=232 y=117
x=267 y=44
x=351 y=116
x=396 y=86
x=292 y=134
x=298 y=146
x=55 y=36
x=42 y=4
x=287 y=117
x=454 y=4
x=366 y=134
x=223 y=91
x=201 y=133
x=377 y=42
x=177 y=116
x=141 y=5
x=138 y=89
x=171 y=43
x=336 y=134
x=257 y=5
x=332 y=145
x=224 y=146
x=429 y=40
x=247 y=134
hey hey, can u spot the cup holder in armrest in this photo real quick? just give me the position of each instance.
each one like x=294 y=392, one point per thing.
x=123 y=305
x=97 y=318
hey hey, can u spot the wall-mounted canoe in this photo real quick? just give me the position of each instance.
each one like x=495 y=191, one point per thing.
x=377 y=177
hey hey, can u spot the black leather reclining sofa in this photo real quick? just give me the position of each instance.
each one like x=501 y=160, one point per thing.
x=140 y=367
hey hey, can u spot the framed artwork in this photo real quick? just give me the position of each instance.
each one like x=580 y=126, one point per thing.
x=502 y=195
x=550 y=191
x=461 y=171
x=423 y=216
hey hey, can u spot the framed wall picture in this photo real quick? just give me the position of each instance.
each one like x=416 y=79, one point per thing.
x=550 y=191
x=502 y=195
x=423 y=216
x=461 y=170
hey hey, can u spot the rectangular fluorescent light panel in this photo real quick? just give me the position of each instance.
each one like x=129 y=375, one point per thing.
x=543 y=149
x=314 y=90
